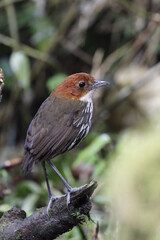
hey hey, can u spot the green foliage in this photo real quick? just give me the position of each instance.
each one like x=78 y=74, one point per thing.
x=53 y=81
x=4 y=177
x=27 y=195
x=20 y=66
x=4 y=181
x=89 y=154
x=43 y=32
x=3 y=208
x=133 y=184
x=28 y=186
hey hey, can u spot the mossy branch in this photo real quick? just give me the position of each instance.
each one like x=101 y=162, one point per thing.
x=40 y=226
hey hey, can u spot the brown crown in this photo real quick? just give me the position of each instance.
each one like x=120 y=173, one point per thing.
x=70 y=88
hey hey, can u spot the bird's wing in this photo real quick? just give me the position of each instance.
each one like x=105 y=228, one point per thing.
x=52 y=130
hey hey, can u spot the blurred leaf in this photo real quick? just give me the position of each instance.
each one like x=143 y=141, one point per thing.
x=4 y=207
x=29 y=202
x=19 y=63
x=99 y=168
x=4 y=177
x=89 y=152
x=25 y=14
x=132 y=182
x=101 y=200
x=53 y=81
x=74 y=234
x=4 y=64
x=28 y=186
x=43 y=32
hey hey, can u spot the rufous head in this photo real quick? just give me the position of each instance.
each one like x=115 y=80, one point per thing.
x=77 y=86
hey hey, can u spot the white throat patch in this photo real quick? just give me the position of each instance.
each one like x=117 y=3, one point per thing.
x=87 y=97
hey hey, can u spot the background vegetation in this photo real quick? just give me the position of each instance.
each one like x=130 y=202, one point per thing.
x=41 y=42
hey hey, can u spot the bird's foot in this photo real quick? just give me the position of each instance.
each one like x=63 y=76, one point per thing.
x=72 y=190
x=51 y=200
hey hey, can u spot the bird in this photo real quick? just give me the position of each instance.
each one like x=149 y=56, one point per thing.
x=61 y=122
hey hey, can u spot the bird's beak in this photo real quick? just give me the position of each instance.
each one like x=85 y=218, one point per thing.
x=98 y=83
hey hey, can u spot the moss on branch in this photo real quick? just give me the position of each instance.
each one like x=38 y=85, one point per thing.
x=40 y=226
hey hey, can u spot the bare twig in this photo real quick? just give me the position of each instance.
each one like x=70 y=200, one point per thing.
x=102 y=68
x=82 y=233
x=42 y=56
x=8 y=2
x=127 y=91
x=12 y=20
x=40 y=226
x=140 y=41
x=11 y=163
x=139 y=11
x=96 y=231
x=1 y=83
x=76 y=51
x=67 y=19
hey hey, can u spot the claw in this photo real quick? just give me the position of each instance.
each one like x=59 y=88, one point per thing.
x=68 y=198
x=51 y=200
x=71 y=191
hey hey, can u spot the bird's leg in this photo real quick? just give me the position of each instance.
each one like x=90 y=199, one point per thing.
x=51 y=197
x=69 y=188
x=66 y=184
x=46 y=178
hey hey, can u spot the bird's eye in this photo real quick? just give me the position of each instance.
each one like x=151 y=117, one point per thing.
x=81 y=84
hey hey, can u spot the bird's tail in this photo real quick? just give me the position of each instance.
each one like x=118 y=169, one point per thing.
x=27 y=162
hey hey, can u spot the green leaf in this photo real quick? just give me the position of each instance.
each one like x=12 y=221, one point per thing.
x=19 y=63
x=4 y=176
x=43 y=32
x=53 y=81
x=28 y=186
x=98 y=170
x=29 y=202
x=90 y=152
x=4 y=207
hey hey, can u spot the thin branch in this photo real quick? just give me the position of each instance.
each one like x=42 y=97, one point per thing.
x=11 y=163
x=82 y=233
x=140 y=41
x=127 y=91
x=12 y=20
x=76 y=51
x=62 y=29
x=101 y=69
x=139 y=11
x=10 y=42
x=96 y=231
x=40 y=226
x=1 y=83
x=8 y=2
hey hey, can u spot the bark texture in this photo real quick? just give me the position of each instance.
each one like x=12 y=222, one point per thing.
x=39 y=226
